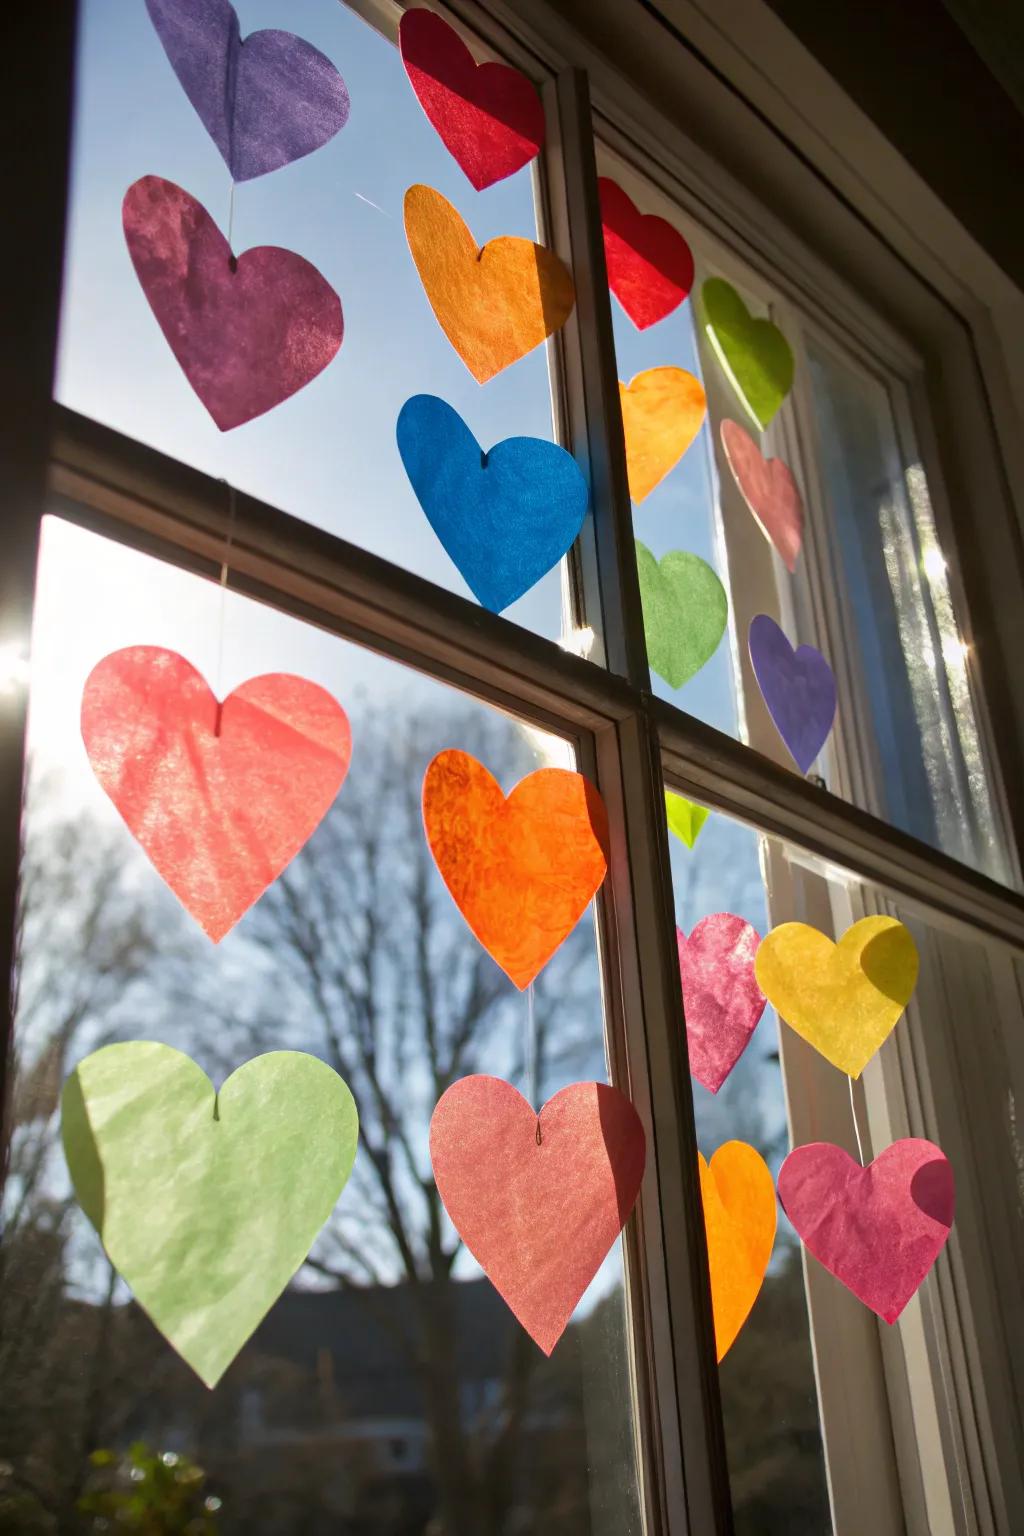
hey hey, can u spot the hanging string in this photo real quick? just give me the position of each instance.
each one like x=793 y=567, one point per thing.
x=531 y=1054
x=225 y=566
x=231 y=227
x=856 y=1127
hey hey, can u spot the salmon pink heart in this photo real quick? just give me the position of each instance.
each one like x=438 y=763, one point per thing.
x=650 y=265
x=538 y=1199
x=220 y=797
x=721 y=998
x=769 y=490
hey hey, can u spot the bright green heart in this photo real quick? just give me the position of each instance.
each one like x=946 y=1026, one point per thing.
x=685 y=610
x=206 y=1203
x=684 y=818
x=754 y=353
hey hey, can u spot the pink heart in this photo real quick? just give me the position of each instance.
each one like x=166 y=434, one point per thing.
x=878 y=1229
x=721 y=997
x=769 y=490
x=248 y=332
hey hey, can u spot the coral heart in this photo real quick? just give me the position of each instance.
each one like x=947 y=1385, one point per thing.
x=721 y=998
x=650 y=265
x=206 y=1203
x=844 y=998
x=739 y=1220
x=538 y=1199
x=798 y=687
x=769 y=490
x=878 y=1229
x=685 y=819
x=506 y=516
x=248 y=332
x=755 y=355
x=685 y=611
x=663 y=409
x=220 y=797
x=265 y=103
x=489 y=116
x=494 y=303
x=522 y=870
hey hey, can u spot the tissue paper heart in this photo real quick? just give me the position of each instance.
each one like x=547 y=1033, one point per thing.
x=206 y=1203
x=506 y=516
x=754 y=353
x=684 y=818
x=798 y=687
x=220 y=797
x=663 y=409
x=495 y=303
x=247 y=332
x=769 y=490
x=264 y=103
x=739 y=1221
x=722 y=1001
x=845 y=998
x=650 y=265
x=538 y=1199
x=521 y=870
x=878 y=1229
x=685 y=611
x=489 y=116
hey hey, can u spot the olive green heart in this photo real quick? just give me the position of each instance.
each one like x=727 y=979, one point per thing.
x=206 y=1203
x=684 y=818
x=754 y=353
x=685 y=610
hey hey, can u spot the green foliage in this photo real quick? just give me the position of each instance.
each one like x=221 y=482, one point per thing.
x=154 y=1494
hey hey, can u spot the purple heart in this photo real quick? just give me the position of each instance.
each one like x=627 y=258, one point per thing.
x=798 y=687
x=266 y=101
x=247 y=332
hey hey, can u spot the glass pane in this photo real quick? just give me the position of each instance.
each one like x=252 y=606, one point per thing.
x=389 y=1390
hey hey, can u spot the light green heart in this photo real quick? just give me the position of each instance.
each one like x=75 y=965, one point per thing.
x=685 y=610
x=206 y=1203
x=684 y=818
x=754 y=353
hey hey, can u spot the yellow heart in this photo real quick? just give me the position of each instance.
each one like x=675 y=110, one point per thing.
x=738 y=1194
x=494 y=303
x=843 y=998
x=663 y=409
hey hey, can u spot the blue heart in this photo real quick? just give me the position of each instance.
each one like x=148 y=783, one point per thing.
x=505 y=517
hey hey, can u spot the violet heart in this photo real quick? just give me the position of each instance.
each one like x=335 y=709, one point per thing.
x=769 y=490
x=248 y=332
x=721 y=998
x=798 y=687
x=878 y=1229
x=266 y=100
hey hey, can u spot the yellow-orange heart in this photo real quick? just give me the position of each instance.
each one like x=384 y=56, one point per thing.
x=843 y=998
x=663 y=409
x=494 y=303
x=739 y=1218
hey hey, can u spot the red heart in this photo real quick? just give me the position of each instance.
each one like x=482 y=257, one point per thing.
x=489 y=116
x=220 y=797
x=721 y=998
x=537 y=1199
x=650 y=265
x=769 y=490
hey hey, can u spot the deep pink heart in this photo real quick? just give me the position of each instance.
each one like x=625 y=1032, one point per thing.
x=769 y=490
x=878 y=1229
x=721 y=998
x=248 y=332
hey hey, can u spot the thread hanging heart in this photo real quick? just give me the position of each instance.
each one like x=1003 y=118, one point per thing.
x=769 y=490
x=798 y=686
x=722 y=1001
x=685 y=611
x=739 y=1222
x=754 y=354
x=663 y=410
x=650 y=265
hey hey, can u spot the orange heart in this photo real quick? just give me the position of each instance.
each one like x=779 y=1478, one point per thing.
x=663 y=409
x=739 y=1219
x=495 y=303
x=522 y=870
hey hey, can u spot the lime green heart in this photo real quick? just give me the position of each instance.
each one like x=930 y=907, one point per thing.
x=684 y=818
x=206 y=1203
x=685 y=609
x=754 y=353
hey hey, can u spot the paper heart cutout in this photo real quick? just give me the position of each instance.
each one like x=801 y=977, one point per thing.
x=845 y=998
x=265 y=103
x=739 y=1221
x=684 y=818
x=489 y=116
x=538 y=1199
x=506 y=516
x=878 y=1229
x=798 y=688
x=206 y=1203
x=769 y=490
x=650 y=265
x=755 y=355
x=722 y=1001
x=220 y=797
x=495 y=302
x=663 y=409
x=247 y=333
x=685 y=611
x=521 y=870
